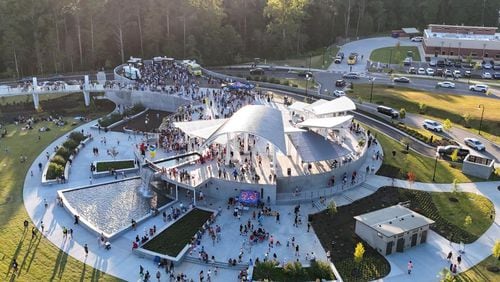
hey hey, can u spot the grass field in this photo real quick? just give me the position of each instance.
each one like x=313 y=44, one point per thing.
x=39 y=259
x=173 y=239
x=479 y=272
x=316 y=60
x=422 y=166
x=394 y=55
x=439 y=106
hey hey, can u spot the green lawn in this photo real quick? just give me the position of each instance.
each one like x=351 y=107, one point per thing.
x=479 y=272
x=439 y=106
x=316 y=60
x=39 y=259
x=107 y=166
x=422 y=166
x=478 y=207
x=173 y=239
x=394 y=55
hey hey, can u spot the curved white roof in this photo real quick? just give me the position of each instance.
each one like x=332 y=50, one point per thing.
x=200 y=128
x=258 y=120
x=338 y=105
x=329 y=122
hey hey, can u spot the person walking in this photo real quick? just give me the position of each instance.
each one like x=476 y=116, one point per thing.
x=86 y=249
x=158 y=275
x=459 y=259
x=410 y=266
x=450 y=255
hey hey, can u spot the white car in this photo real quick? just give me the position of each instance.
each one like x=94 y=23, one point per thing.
x=432 y=125
x=486 y=75
x=457 y=73
x=338 y=93
x=421 y=71
x=474 y=143
x=429 y=71
x=487 y=66
x=417 y=39
x=446 y=84
x=479 y=88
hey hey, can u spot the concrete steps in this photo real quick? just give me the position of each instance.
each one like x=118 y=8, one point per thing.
x=225 y=265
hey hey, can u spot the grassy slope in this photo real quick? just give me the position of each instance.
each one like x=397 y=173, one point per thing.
x=422 y=166
x=439 y=105
x=382 y=54
x=479 y=272
x=39 y=260
x=316 y=60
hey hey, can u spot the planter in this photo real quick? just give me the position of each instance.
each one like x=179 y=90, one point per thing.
x=99 y=174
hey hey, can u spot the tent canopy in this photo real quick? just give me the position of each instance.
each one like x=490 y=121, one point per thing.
x=329 y=122
x=339 y=105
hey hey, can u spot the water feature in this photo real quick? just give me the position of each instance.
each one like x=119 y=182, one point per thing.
x=111 y=207
x=146 y=175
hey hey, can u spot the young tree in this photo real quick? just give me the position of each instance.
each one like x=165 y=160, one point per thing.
x=402 y=113
x=332 y=208
x=447 y=124
x=454 y=156
x=454 y=187
x=496 y=250
x=467 y=221
x=446 y=276
x=411 y=177
x=422 y=108
x=359 y=251
x=467 y=118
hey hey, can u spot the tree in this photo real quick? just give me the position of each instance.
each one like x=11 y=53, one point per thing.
x=402 y=113
x=447 y=124
x=496 y=250
x=467 y=221
x=422 y=108
x=411 y=177
x=467 y=118
x=359 y=251
x=454 y=156
x=454 y=187
x=332 y=208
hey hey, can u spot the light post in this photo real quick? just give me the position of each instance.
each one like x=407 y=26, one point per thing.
x=308 y=72
x=371 y=90
x=307 y=82
x=435 y=166
x=481 y=106
x=390 y=57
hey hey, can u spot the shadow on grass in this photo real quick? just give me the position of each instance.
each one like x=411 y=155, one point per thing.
x=60 y=264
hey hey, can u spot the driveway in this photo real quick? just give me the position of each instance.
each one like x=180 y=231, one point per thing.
x=364 y=48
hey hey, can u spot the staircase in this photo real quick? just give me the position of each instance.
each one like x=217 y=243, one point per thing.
x=369 y=186
x=225 y=265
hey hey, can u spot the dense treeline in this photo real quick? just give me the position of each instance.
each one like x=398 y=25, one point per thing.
x=47 y=36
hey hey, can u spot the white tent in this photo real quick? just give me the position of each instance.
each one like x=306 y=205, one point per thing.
x=329 y=122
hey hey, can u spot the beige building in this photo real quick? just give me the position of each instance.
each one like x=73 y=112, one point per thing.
x=392 y=229
x=457 y=41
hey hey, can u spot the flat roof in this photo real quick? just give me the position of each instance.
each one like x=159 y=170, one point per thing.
x=394 y=220
x=464 y=26
x=462 y=36
x=410 y=30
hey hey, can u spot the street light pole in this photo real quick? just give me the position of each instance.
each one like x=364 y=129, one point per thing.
x=371 y=91
x=390 y=57
x=435 y=166
x=481 y=121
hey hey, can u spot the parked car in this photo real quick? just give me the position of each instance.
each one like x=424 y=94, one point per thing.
x=429 y=71
x=432 y=63
x=439 y=72
x=432 y=125
x=257 y=71
x=448 y=73
x=401 y=79
x=496 y=67
x=487 y=66
x=421 y=71
x=446 y=84
x=496 y=75
x=448 y=150
x=338 y=60
x=457 y=74
x=305 y=74
x=457 y=64
x=338 y=93
x=340 y=54
x=417 y=39
x=474 y=143
x=407 y=61
x=467 y=73
x=351 y=75
x=388 y=111
x=486 y=75
x=412 y=70
x=441 y=63
x=468 y=66
x=479 y=88
x=340 y=83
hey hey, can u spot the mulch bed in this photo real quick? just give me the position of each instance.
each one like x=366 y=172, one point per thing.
x=155 y=119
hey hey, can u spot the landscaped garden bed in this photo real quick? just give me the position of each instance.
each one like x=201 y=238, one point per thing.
x=448 y=216
x=115 y=165
x=293 y=271
x=57 y=166
x=172 y=240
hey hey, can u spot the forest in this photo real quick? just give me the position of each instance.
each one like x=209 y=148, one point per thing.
x=60 y=36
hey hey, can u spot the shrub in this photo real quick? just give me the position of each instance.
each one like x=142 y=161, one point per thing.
x=64 y=153
x=58 y=160
x=54 y=170
x=321 y=270
x=422 y=108
x=109 y=120
x=402 y=113
x=70 y=144
x=286 y=82
x=77 y=136
x=294 y=271
x=295 y=85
